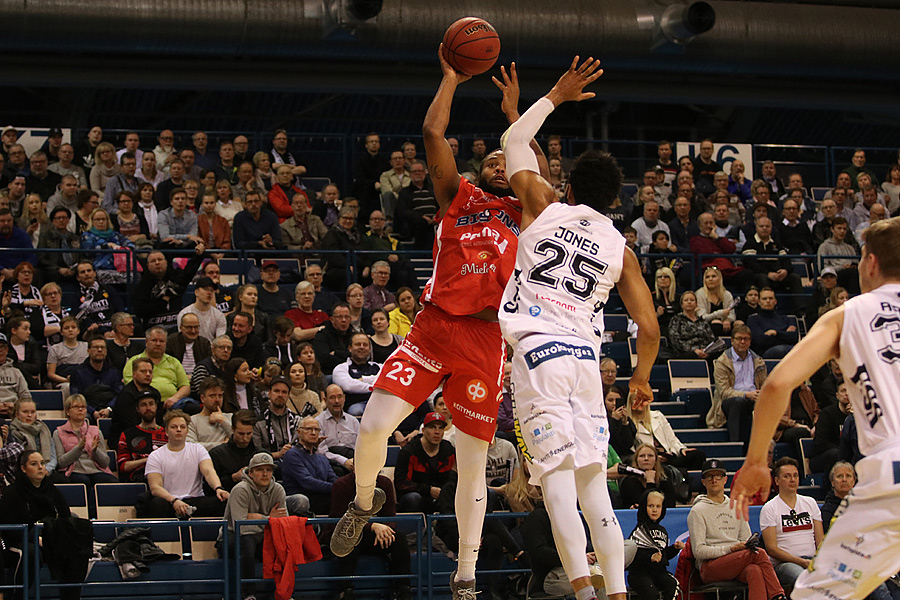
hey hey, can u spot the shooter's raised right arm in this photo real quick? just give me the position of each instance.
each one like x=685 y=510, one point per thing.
x=441 y=163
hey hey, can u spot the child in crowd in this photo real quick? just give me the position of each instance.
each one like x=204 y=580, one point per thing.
x=647 y=573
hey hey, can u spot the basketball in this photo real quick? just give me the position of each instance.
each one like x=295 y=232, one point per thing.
x=471 y=46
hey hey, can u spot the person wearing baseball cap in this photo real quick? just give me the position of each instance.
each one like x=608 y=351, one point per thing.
x=212 y=320
x=418 y=488
x=256 y=496
x=51 y=145
x=723 y=546
x=273 y=300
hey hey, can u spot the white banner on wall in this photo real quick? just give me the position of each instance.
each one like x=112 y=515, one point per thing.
x=723 y=153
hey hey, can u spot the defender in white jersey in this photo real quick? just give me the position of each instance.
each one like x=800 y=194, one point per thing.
x=568 y=260
x=862 y=548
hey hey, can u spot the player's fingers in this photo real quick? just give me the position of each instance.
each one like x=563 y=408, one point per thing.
x=512 y=71
x=595 y=76
x=574 y=65
x=587 y=95
x=497 y=82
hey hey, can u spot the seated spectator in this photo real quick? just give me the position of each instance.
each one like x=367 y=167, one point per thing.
x=25 y=351
x=213 y=365
x=340 y=430
x=324 y=300
x=821 y=293
x=877 y=213
x=273 y=300
x=307 y=320
x=661 y=253
x=29 y=499
x=653 y=429
x=274 y=431
x=400 y=268
x=649 y=224
x=402 y=317
x=246 y=300
x=211 y=320
x=96 y=303
x=210 y=427
x=360 y=316
x=88 y=202
x=157 y=295
x=124 y=181
x=416 y=208
x=315 y=378
x=424 y=465
x=305 y=471
x=357 y=375
x=239 y=392
x=97 y=380
x=81 y=449
x=382 y=341
x=827 y=436
x=177 y=226
x=379 y=539
x=303 y=401
x=842 y=477
x=23 y=295
x=608 y=372
x=719 y=540
x=791 y=525
x=102 y=236
x=34 y=435
x=226 y=206
x=770 y=272
x=793 y=230
x=186 y=344
x=665 y=297
x=825 y=383
x=709 y=242
x=45 y=321
x=332 y=343
x=125 y=412
x=773 y=335
x=231 y=459
x=283 y=192
x=66 y=196
x=502 y=463
x=344 y=236
x=837 y=298
x=246 y=182
x=682 y=226
x=245 y=343
x=59 y=265
x=121 y=346
x=212 y=227
x=440 y=407
x=837 y=245
x=145 y=206
x=622 y=430
x=132 y=225
x=647 y=573
x=714 y=303
x=750 y=306
x=326 y=208
x=376 y=295
x=13 y=237
x=256 y=496
x=690 y=335
x=254 y=228
x=738 y=374
x=175 y=474
x=169 y=377
x=632 y=487
x=66 y=356
x=282 y=348
x=138 y=441
x=303 y=230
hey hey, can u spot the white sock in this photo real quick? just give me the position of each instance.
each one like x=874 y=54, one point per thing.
x=471 y=501
x=517 y=139
x=586 y=593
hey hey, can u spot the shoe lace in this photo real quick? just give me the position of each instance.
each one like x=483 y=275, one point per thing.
x=348 y=526
x=467 y=593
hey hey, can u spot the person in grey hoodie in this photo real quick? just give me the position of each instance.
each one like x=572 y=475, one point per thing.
x=716 y=541
x=256 y=496
x=12 y=383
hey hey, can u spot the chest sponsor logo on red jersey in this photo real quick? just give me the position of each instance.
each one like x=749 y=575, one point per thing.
x=489 y=215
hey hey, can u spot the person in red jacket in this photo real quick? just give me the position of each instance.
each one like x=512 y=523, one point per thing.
x=708 y=242
x=282 y=193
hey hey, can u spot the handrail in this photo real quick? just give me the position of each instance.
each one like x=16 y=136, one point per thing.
x=26 y=559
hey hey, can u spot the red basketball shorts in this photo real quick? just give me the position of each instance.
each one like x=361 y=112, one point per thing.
x=465 y=353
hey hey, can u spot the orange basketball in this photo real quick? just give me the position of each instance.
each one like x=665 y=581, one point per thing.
x=471 y=46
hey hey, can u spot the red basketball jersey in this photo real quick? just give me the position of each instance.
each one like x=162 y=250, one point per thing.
x=474 y=251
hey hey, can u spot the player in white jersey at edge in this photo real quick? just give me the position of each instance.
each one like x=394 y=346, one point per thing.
x=862 y=548
x=569 y=258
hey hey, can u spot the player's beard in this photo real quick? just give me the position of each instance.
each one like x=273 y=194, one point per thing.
x=496 y=191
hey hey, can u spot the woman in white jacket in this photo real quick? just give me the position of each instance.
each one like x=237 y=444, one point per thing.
x=653 y=429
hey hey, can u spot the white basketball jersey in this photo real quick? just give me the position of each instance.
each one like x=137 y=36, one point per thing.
x=870 y=361
x=568 y=260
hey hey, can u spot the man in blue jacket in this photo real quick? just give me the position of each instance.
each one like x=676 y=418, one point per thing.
x=305 y=471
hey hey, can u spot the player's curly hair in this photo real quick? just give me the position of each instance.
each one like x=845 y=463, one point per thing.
x=596 y=179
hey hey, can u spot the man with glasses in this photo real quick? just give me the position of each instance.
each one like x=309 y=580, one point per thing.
x=391 y=182
x=332 y=344
x=41 y=180
x=417 y=207
x=739 y=373
x=213 y=365
x=722 y=544
x=376 y=295
x=165 y=150
x=303 y=230
x=123 y=181
x=793 y=230
x=59 y=266
x=254 y=228
x=122 y=345
x=187 y=345
x=379 y=238
x=324 y=300
x=16 y=162
x=305 y=471
x=791 y=524
x=344 y=237
x=97 y=380
x=96 y=304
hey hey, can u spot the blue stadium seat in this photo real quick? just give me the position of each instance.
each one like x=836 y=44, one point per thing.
x=47 y=399
x=115 y=501
x=818 y=193
x=770 y=364
x=615 y=323
x=392 y=452
x=315 y=184
x=52 y=424
x=76 y=497
x=628 y=190
x=697 y=402
x=618 y=351
x=140 y=342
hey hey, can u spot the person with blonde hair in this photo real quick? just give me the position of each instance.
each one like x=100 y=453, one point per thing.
x=654 y=429
x=715 y=303
x=665 y=296
x=105 y=166
x=102 y=236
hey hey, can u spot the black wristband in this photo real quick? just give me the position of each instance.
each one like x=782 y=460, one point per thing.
x=218 y=488
x=174 y=500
